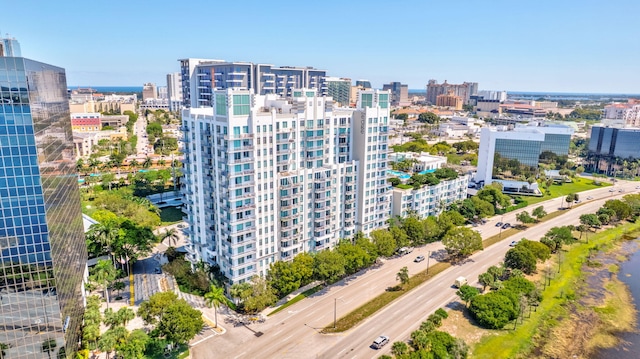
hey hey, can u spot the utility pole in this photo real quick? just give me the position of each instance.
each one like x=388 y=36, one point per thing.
x=428 y=256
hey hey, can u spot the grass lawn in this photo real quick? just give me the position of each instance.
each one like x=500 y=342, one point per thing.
x=557 y=190
x=511 y=343
x=171 y=215
x=297 y=298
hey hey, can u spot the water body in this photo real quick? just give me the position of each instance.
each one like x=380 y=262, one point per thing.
x=110 y=89
x=629 y=348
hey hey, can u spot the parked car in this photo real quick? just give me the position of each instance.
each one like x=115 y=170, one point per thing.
x=380 y=341
x=483 y=221
x=474 y=224
x=506 y=225
x=513 y=243
x=499 y=224
x=419 y=259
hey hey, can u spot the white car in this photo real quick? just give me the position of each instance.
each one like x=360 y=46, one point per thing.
x=380 y=341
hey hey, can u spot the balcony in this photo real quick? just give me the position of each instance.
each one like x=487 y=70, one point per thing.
x=241 y=160
x=238 y=137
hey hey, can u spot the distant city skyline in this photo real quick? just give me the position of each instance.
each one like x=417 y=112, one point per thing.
x=550 y=47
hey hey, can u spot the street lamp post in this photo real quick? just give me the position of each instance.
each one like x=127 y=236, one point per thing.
x=502 y=221
x=428 y=256
x=335 y=311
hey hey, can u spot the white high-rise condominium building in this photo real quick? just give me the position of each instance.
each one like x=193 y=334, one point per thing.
x=268 y=177
x=174 y=91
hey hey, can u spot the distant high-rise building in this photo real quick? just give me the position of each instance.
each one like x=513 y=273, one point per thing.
x=268 y=177
x=149 y=91
x=366 y=84
x=464 y=90
x=339 y=88
x=200 y=77
x=512 y=156
x=42 y=244
x=628 y=112
x=449 y=100
x=9 y=47
x=163 y=93
x=493 y=95
x=399 y=93
x=174 y=91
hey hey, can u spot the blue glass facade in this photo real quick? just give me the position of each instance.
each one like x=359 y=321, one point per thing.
x=42 y=245
x=615 y=142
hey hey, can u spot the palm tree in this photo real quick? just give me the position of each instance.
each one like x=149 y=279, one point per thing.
x=104 y=273
x=94 y=163
x=105 y=234
x=172 y=235
x=214 y=298
x=147 y=162
x=125 y=315
x=79 y=165
x=134 y=164
x=161 y=163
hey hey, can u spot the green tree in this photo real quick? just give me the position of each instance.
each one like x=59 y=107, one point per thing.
x=329 y=266
x=355 y=257
x=153 y=310
x=429 y=117
x=520 y=258
x=539 y=212
x=462 y=242
x=571 y=197
x=400 y=349
x=467 y=292
x=171 y=235
x=214 y=298
x=261 y=295
x=486 y=280
x=590 y=220
x=154 y=131
x=403 y=275
x=560 y=235
x=493 y=194
x=147 y=163
x=524 y=217
x=539 y=250
x=384 y=241
x=493 y=310
x=414 y=230
x=303 y=266
x=283 y=278
x=621 y=209
x=180 y=322
x=103 y=274
x=400 y=236
x=134 y=345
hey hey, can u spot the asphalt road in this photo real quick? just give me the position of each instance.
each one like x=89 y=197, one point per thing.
x=295 y=332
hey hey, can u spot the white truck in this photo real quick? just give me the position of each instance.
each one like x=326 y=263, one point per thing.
x=460 y=281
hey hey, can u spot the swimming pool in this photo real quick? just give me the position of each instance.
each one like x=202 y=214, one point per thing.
x=426 y=171
x=398 y=174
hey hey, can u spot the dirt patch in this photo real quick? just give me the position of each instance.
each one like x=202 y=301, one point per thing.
x=461 y=325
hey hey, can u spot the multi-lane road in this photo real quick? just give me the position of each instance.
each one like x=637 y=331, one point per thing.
x=295 y=332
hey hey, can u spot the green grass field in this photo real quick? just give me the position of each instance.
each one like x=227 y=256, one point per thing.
x=511 y=343
x=558 y=190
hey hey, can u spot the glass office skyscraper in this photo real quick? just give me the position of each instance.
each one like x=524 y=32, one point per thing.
x=42 y=245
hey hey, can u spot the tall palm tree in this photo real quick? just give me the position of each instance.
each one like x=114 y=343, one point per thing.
x=79 y=165
x=147 y=162
x=215 y=297
x=104 y=273
x=134 y=164
x=105 y=234
x=161 y=163
x=172 y=235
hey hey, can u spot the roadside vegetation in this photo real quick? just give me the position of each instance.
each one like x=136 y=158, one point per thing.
x=536 y=290
x=171 y=324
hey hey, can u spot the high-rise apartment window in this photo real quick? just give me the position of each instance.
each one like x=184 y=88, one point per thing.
x=241 y=104
x=367 y=100
x=221 y=105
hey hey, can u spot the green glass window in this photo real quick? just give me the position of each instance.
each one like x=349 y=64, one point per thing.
x=297 y=93
x=383 y=100
x=310 y=94
x=241 y=105
x=367 y=100
x=221 y=105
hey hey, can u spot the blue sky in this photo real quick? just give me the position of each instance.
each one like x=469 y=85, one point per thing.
x=544 y=45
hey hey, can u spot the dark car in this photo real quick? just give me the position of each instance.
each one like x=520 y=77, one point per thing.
x=506 y=225
x=499 y=224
